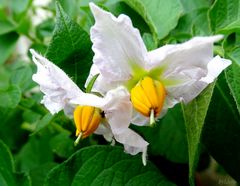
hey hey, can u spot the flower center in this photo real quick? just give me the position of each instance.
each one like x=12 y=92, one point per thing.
x=148 y=97
x=86 y=119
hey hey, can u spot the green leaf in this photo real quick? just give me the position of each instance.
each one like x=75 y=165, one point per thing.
x=19 y=8
x=6 y=160
x=222 y=128
x=194 y=115
x=70 y=48
x=168 y=137
x=62 y=145
x=233 y=79
x=7 y=175
x=30 y=116
x=43 y=122
x=39 y=173
x=11 y=97
x=161 y=16
x=4 y=78
x=22 y=77
x=7 y=45
x=44 y=30
x=70 y=7
x=34 y=153
x=6 y=26
x=191 y=24
x=233 y=71
x=191 y=5
x=225 y=16
x=149 y=41
x=105 y=165
x=11 y=120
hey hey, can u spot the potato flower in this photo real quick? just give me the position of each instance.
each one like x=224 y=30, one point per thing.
x=109 y=115
x=156 y=80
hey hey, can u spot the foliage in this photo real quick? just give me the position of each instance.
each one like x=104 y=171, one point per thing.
x=36 y=148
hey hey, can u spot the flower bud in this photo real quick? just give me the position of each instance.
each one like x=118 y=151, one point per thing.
x=148 y=97
x=87 y=119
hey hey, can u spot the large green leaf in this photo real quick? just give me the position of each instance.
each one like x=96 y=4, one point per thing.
x=7 y=175
x=70 y=6
x=233 y=72
x=221 y=132
x=11 y=97
x=39 y=173
x=168 y=137
x=190 y=5
x=225 y=16
x=233 y=79
x=191 y=24
x=105 y=165
x=194 y=115
x=161 y=16
x=7 y=45
x=34 y=153
x=70 y=48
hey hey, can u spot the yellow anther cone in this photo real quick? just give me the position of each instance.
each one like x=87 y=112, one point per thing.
x=86 y=119
x=148 y=96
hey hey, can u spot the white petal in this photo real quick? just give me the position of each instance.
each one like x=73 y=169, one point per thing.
x=52 y=106
x=196 y=52
x=191 y=89
x=58 y=88
x=187 y=64
x=185 y=92
x=215 y=67
x=68 y=110
x=105 y=130
x=116 y=44
x=118 y=109
x=133 y=143
x=139 y=119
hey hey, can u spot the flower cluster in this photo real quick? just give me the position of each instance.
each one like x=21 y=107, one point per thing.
x=137 y=86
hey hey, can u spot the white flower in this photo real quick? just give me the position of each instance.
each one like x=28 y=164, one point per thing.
x=61 y=93
x=158 y=79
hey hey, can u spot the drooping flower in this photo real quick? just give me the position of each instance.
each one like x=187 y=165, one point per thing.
x=109 y=115
x=156 y=80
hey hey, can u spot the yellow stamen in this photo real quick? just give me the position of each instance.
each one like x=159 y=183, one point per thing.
x=86 y=119
x=148 y=97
